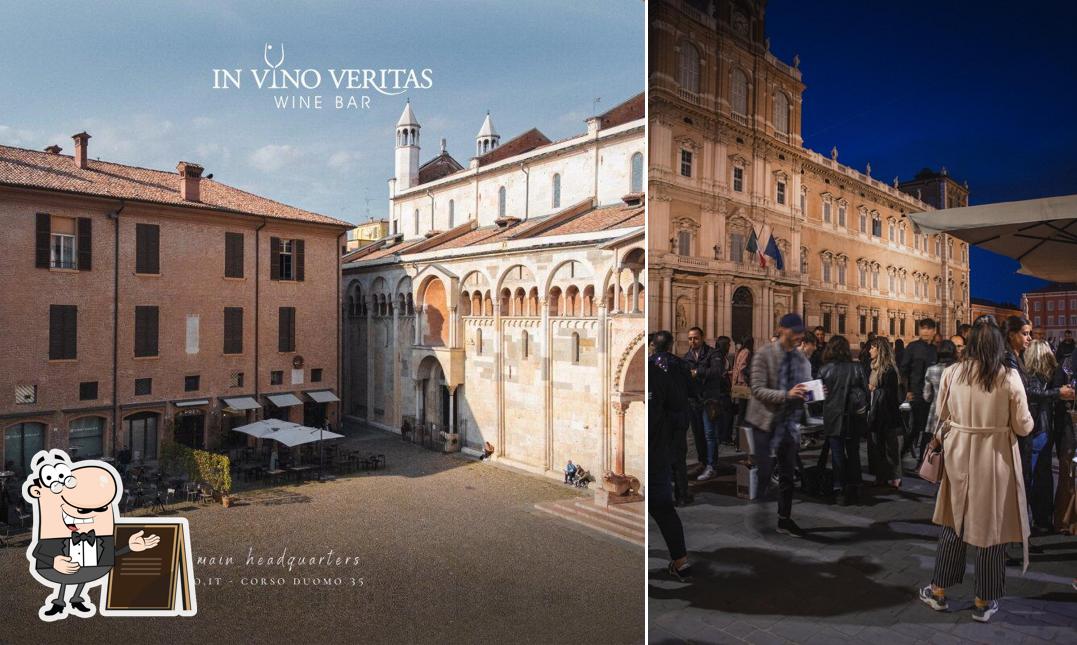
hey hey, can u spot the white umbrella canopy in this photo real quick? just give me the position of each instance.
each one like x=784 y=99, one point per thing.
x=1041 y=234
x=265 y=428
x=299 y=435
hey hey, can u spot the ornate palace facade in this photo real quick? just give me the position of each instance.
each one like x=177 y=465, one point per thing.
x=506 y=303
x=727 y=160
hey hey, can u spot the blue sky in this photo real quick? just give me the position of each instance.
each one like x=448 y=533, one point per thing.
x=988 y=90
x=138 y=77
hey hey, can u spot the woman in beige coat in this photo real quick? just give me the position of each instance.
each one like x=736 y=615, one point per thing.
x=981 y=498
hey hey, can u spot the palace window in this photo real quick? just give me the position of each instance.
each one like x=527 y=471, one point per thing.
x=736 y=250
x=875 y=323
x=781 y=113
x=803 y=260
x=637 y=173
x=876 y=225
x=938 y=246
x=781 y=192
x=893 y=326
x=738 y=179
x=556 y=190
x=452 y=213
x=875 y=279
x=841 y=323
x=826 y=271
x=826 y=211
x=1050 y=305
x=841 y=215
x=901 y=236
x=803 y=200
x=1037 y=321
x=841 y=274
x=686 y=163
x=416 y=222
x=890 y=231
x=689 y=67
x=501 y=202
x=863 y=222
x=525 y=345
x=575 y=347
x=863 y=276
x=826 y=321
x=684 y=242
x=863 y=324
x=1036 y=306
x=739 y=93
x=893 y=283
x=902 y=326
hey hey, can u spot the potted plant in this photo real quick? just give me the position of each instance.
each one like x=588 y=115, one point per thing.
x=215 y=470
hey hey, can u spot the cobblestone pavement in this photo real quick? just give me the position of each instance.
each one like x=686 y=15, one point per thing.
x=852 y=579
x=449 y=550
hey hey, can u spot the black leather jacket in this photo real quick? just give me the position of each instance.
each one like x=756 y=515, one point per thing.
x=1042 y=396
x=840 y=379
x=710 y=381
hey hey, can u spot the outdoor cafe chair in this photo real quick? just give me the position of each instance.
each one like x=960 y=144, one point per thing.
x=191 y=491
x=205 y=494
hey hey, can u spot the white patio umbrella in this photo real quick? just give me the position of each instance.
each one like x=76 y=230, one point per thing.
x=1041 y=234
x=299 y=435
x=264 y=428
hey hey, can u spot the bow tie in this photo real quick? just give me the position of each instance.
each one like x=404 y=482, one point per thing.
x=89 y=537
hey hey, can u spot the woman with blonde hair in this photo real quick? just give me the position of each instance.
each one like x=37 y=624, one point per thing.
x=981 y=499
x=884 y=414
x=1046 y=387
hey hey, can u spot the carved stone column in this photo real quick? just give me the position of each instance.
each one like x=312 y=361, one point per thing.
x=619 y=409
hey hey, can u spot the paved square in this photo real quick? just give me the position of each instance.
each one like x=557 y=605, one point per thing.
x=449 y=550
x=852 y=579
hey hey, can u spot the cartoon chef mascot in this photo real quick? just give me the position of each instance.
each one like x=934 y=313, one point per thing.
x=75 y=510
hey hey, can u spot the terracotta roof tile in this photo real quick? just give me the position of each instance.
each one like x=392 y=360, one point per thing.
x=44 y=170
x=630 y=110
x=516 y=146
x=591 y=221
x=440 y=166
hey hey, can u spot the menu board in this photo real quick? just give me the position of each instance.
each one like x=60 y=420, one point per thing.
x=154 y=582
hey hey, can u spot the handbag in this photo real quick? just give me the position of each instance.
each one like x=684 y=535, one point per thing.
x=741 y=392
x=931 y=467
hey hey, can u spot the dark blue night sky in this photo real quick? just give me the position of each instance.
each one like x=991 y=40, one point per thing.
x=989 y=93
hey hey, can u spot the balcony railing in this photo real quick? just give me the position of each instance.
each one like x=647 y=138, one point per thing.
x=739 y=118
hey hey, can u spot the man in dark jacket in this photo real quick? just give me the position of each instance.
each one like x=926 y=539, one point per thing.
x=817 y=355
x=665 y=417
x=919 y=355
x=705 y=369
x=675 y=416
x=1065 y=348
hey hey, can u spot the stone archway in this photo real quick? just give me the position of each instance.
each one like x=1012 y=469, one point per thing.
x=435 y=399
x=742 y=303
x=435 y=314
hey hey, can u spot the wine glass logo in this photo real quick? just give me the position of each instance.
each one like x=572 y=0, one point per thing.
x=265 y=55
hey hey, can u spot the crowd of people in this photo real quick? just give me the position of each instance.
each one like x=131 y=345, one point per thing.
x=994 y=403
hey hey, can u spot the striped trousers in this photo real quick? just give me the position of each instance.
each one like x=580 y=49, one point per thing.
x=950 y=566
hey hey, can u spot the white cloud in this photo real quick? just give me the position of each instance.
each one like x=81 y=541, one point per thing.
x=17 y=137
x=273 y=157
x=201 y=122
x=342 y=161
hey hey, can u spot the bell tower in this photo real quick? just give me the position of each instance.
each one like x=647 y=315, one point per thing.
x=487 y=139
x=407 y=149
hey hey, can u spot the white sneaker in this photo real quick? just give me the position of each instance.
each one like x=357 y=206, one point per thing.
x=708 y=473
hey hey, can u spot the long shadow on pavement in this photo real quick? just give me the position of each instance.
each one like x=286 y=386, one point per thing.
x=760 y=581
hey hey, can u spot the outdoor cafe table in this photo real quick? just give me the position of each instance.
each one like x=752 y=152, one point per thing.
x=273 y=475
x=301 y=472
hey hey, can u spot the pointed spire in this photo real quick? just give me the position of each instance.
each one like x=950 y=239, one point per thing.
x=487 y=129
x=407 y=117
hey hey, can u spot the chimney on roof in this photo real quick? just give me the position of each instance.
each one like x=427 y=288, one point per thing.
x=53 y=150
x=190 y=181
x=82 y=142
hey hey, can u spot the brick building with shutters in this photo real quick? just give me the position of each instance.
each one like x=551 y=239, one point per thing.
x=142 y=306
